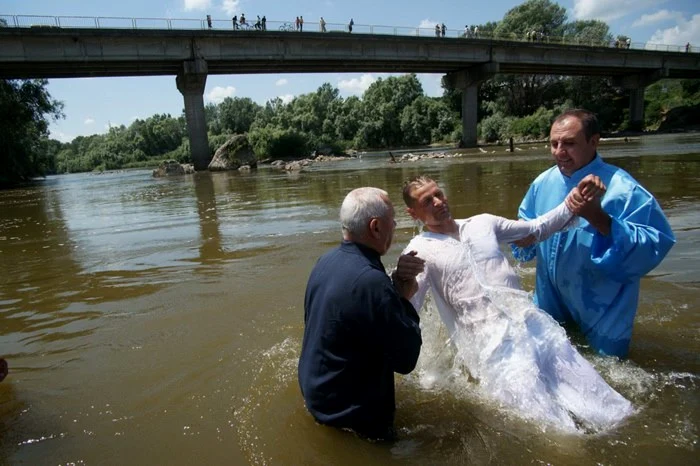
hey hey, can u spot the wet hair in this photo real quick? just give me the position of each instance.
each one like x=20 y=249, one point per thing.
x=360 y=206
x=588 y=120
x=414 y=183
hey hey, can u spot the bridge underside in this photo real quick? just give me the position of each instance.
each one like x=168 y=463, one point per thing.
x=115 y=68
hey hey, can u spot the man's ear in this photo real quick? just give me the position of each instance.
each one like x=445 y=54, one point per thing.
x=374 y=227
x=411 y=212
x=595 y=139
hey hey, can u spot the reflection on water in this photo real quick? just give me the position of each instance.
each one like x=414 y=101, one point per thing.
x=159 y=321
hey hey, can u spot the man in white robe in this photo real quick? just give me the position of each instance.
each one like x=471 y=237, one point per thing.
x=520 y=355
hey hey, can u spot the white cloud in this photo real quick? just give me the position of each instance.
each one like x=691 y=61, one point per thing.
x=683 y=32
x=286 y=98
x=281 y=82
x=658 y=17
x=89 y=121
x=218 y=94
x=197 y=4
x=61 y=136
x=231 y=7
x=607 y=10
x=427 y=24
x=356 y=85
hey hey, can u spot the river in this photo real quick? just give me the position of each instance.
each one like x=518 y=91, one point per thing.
x=159 y=321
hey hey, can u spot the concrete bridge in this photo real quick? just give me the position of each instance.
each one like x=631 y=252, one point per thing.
x=191 y=55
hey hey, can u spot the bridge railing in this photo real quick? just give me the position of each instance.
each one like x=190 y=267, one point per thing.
x=89 y=22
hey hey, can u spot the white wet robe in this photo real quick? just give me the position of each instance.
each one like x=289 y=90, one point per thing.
x=518 y=353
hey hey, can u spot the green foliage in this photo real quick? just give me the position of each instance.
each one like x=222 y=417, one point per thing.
x=532 y=15
x=382 y=104
x=496 y=127
x=269 y=141
x=25 y=151
x=668 y=95
x=590 y=32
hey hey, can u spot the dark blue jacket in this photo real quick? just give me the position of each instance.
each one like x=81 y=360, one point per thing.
x=358 y=332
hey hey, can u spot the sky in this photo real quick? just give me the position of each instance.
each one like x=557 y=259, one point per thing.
x=92 y=105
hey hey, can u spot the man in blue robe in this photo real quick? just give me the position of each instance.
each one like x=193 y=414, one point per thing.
x=591 y=275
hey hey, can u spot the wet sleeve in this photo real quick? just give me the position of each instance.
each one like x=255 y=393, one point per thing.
x=402 y=332
x=526 y=212
x=639 y=239
x=541 y=227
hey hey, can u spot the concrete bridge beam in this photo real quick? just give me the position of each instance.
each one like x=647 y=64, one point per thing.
x=190 y=81
x=468 y=82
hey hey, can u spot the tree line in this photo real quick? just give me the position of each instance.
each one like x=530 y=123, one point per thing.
x=392 y=112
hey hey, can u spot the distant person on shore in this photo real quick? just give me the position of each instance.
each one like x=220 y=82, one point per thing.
x=296 y=23
x=590 y=275
x=209 y=21
x=301 y=24
x=3 y=369
x=359 y=327
x=350 y=25
x=443 y=29
x=234 y=20
x=258 y=24
x=322 y=23
x=437 y=30
x=264 y=23
x=687 y=47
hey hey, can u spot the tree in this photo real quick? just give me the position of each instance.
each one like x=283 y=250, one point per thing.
x=592 y=32
x=25 y=110
x=382 y=104
x=235 y=115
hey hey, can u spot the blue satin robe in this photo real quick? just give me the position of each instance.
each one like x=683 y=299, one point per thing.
x=586 y=277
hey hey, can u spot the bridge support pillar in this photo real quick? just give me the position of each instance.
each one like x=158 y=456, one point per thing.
x=637 y=109
x=636 y=83
x=470 y=107
x=468 y=81
x=190 y=82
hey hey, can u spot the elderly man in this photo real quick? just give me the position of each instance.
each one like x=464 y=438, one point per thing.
x=360 y=327
x=591 y=275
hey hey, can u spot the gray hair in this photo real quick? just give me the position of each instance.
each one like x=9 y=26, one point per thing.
x=360 y=205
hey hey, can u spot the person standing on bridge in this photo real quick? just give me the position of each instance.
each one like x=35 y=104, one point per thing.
x=443 y=29
x=209 y=21
x=296 y=23
x=322 y=23
x=234 y=20
x=437 y=30
x=242 y=21
x=350 y=25
x=590 y=275
x=264 y=23
x=301 y=24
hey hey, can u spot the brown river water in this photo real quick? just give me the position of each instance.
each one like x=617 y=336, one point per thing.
x=159 y=321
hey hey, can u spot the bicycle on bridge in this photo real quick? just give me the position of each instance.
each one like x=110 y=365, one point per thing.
x=287 y=27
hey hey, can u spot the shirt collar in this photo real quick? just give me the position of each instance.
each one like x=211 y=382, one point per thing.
x=357 y=248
